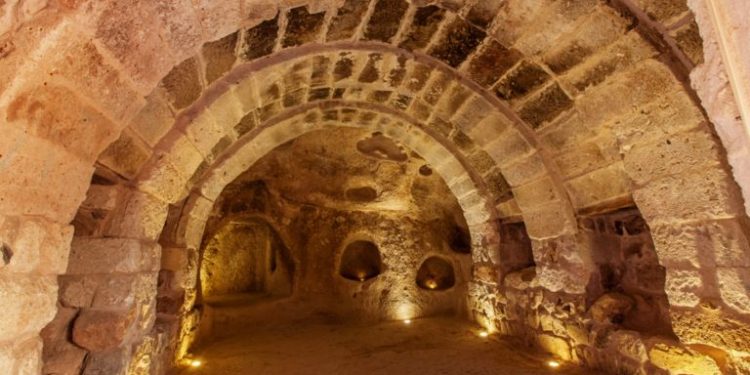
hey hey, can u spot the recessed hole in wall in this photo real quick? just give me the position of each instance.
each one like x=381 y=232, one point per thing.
x=425 y=170
x=627 y=287
x=436 y=273
x=361 y=194
x=98 y=179
x=460 y=240
x=7 y=253
x=246 y=255
x=250 y=196
x=515 y=246
x=382 y=147
x=360 y=261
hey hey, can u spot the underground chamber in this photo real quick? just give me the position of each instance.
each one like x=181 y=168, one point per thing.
x=374 y=186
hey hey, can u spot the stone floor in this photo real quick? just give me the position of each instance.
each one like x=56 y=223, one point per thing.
x=322 y=344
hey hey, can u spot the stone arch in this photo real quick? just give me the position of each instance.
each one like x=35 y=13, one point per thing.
x=173 y=32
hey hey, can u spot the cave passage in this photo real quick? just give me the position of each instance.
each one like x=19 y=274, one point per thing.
x=337 y=253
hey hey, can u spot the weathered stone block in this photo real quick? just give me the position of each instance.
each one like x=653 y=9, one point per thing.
x=108 y=362
x=733 y=283
x=704 y=244
x=385 y=20
x=348 y=18
x=126 y=155
x=458 y=41
x=218 y=18
x=423 y=26
x=60 y=355
x=603 y=187
x=102 y=330
x=547 y=104
x=684 y=287
x=523 y=79
x=490 y=63
x=219 y=56
x=133 y=34
x=482 y=13
x=698 y=194
x=524 y=170
x=55 y=114
x=108 y=255
x=182 y=26
x=140 y=216
x=259 y=40
x=675 y=154
x=587 y=155
x=155 y=118
x=507 y=146
x=183 y=84
x=84 y=68
x=302 y=27
x=536 y=193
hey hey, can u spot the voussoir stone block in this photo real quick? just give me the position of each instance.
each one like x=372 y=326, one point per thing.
x=155 y=118
x=139 y=216
x=677 y=153
x=133 y=34
x=126 y=155
x=704 y=193
x=83 y=67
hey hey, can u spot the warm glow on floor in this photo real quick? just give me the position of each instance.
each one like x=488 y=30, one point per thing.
x=407 y=321
x=196 y=363
x=484 y=334
x=553 y=364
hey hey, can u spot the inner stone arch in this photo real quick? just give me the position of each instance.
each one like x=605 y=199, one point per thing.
x=381 y=241
x=528 y=108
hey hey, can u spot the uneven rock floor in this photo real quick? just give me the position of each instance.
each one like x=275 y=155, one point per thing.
x=322 y=344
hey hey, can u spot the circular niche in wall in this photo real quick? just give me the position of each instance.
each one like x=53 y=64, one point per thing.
x=360 y=261
x=436 y=273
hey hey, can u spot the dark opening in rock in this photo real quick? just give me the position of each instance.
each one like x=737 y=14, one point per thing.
x=515 y=246
x=425 y=170
x=436 y=274
x=460 y=240
x=7 y=253
x=360 y=261
x=362 y=194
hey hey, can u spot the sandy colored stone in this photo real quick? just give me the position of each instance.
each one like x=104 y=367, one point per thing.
x=678 y=360
x=35 y=298
x=101 y=330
